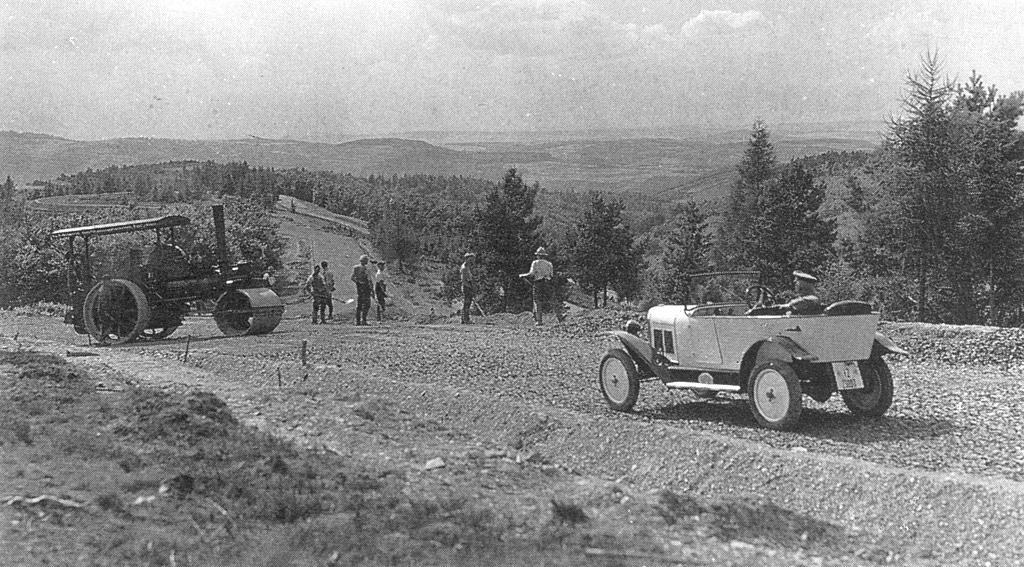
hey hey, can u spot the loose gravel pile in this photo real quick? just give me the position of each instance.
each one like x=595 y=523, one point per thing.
x=959 y=345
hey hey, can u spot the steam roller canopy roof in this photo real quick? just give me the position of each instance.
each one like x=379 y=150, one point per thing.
x=169 y=221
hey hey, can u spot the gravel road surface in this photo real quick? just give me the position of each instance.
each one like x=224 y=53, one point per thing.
x=942 y=469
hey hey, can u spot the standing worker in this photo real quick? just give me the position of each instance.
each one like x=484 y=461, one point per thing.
x=468 y=285
x=380 y=289
x=363 y=289
x=315 y=286
x=329 y=283
x=540 y=274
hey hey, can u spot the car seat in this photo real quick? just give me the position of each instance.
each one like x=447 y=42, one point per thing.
x=849 y=307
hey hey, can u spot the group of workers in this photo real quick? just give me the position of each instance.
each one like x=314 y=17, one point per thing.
x=539 y=277
x=320 y=284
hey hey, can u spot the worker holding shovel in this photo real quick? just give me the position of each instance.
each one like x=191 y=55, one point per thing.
x=539 y=276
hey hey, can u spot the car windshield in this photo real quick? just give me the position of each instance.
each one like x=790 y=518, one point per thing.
x=721 y=287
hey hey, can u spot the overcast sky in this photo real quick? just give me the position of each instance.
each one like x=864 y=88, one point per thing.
x=330 y=70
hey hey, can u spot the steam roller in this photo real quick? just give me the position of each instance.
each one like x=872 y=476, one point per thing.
x=251 y=311
x=147 y=298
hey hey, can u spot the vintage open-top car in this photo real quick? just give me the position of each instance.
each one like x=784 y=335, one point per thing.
x=744 y=345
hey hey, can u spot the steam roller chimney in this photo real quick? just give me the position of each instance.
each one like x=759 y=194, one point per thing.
x=222 y=237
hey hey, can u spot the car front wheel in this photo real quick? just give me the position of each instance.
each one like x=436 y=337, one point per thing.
x=874 y=399
x=619 y=380
x=774 y=395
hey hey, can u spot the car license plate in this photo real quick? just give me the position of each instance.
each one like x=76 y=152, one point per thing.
x=847 y=375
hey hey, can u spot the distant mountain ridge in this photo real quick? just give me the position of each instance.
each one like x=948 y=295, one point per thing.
x=668 y=168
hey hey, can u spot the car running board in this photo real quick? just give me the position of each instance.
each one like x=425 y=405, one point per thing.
x=699 y=386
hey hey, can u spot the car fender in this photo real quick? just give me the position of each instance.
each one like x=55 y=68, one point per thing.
x=782 y=348
x=884 y=345
x=648 y=361
x=779 y=347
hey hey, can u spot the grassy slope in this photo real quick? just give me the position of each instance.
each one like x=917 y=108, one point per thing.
x=153 y=478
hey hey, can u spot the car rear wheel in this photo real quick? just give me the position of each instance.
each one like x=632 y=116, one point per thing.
x=619 y=380
x=774 y=395
x=874 y=399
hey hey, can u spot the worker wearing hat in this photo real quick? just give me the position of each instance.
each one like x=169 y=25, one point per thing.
x=807 y=301
x=540 y=274
x=468 y=285
x=363 y=289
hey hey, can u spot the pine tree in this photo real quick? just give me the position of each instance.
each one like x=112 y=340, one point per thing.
x=686 y=252
x=789 y=233
x=996 y=221
x=949 y=214
x=506 y=238
x=604 y=255
x=393 y=236
x=755 y=171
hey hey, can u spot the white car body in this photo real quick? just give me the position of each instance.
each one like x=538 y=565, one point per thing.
x=771 y=355
x=703 y=340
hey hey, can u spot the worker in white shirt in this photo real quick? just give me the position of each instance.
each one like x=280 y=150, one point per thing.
x=380 y=288
x=328 y=277
x=539 y=276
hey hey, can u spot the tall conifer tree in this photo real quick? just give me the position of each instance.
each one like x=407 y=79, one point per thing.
x=507 y=234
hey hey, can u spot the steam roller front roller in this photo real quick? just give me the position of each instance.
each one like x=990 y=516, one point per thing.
x=248 y=311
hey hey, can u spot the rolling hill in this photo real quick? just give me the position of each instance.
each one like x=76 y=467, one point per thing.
x=669 y=166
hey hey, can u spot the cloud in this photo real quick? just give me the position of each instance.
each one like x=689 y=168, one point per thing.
x=537 y=28
x=719 y=22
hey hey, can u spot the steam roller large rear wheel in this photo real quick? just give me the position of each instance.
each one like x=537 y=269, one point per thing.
x=248 y=311
x=115 y=312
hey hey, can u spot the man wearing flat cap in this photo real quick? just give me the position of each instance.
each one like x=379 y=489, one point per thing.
x=540 y=274
x=468 y=285
x=807 y=301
